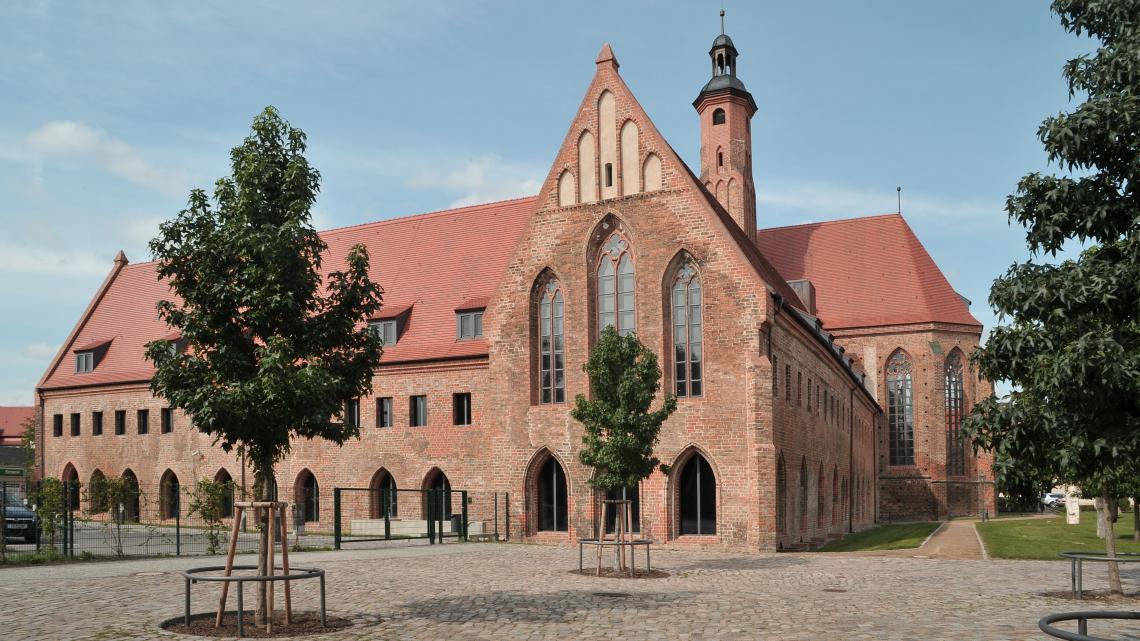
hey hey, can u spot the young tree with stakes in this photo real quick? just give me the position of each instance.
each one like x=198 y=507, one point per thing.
x=268 y=349
x=620 y=429
x=1071 y=345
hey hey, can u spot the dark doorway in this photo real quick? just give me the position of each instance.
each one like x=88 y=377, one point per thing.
x=698 y=497
x=552 y=497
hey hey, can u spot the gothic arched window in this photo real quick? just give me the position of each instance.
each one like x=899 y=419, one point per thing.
x=698 y=497
x=955 y=446
x=552 y=377
x=552 y=497
x=687 y=353
x=615 y=286
x=900 y=409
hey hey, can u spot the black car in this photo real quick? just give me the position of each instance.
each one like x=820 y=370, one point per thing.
x=20 y=521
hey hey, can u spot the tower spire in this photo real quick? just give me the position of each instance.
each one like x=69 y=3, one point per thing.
x=722 y=22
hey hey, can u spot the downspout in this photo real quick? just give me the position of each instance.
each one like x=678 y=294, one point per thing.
x=41 y=440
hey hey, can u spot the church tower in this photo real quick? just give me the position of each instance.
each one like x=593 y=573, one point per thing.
x=726 y=110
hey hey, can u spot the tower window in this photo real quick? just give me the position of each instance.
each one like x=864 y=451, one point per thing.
x=720 y=159
x=609 y=174
x=718 y=117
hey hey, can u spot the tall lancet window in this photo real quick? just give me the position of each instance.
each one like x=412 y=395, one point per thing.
x=955 y=446
x=900 y=409
x=550 y=337
x=687 y=351
x=615 y=286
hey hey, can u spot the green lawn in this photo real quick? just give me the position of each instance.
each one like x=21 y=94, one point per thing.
x=1046 y=538
x=896 y=536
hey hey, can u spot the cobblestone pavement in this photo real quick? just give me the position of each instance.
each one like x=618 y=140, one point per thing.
x=524 y=592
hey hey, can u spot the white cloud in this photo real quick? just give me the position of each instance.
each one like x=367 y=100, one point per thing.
x=76 y=140
x=484 y=179
x=38 y=260
x=825 y=201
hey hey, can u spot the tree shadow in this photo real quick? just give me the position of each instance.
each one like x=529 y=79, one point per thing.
x=541 y=607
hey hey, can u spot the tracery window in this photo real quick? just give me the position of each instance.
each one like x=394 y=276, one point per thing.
x=955 y=446
x=615 y=286
x=552 y=378
x=900 y=409
x=687 y=351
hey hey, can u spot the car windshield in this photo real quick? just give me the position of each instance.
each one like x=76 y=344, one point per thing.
x=14 y=499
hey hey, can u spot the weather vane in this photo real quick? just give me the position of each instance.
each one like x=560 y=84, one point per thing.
x=722 y=22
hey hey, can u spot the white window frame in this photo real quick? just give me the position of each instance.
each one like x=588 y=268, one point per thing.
x=85 y=362
x=474 y=329
x=385 y=330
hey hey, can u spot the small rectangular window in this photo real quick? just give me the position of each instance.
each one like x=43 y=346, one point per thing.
x=384 y=412
x=143 y=417
x=385 y=330
x=97 y=423
x=167 y=418
x=787 y=382
x=120 y=422
x=352 y=412
x=775 y=376
x=417 y=411
x=84 y=362
x=57 y=425
x=75 y=424
x=609 y=174
x=461 y=408
x=469 y=325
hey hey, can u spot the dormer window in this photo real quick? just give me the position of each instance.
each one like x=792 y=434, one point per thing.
x=385 y=330
x=469 y=324
x=84 y=362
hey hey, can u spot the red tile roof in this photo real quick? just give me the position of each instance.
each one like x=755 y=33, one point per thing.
x=866 y=271
x=434 y=263
x=12 y=421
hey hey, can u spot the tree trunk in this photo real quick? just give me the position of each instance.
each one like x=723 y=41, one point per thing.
x=263 y=472
x=1110 y=548
x=1101 y=504
x=1136 y=518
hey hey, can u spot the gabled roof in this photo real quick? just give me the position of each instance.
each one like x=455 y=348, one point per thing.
x=866 y=271
x=432 y=264
x=12 y=419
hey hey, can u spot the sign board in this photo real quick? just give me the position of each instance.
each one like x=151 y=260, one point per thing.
x=11 y=471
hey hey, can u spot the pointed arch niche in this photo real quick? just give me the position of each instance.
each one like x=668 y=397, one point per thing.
x=695 y=494
x=651 y=173
x=383 y=495
x=587 y=176
x=630 y=171
x=566 y=193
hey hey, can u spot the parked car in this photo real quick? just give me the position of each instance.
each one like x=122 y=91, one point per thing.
x=20 y=520
x=1053 y=499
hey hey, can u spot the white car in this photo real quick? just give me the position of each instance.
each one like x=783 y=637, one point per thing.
x=1053 y=499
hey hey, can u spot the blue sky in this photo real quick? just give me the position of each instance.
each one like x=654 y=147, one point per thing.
x=112 y=111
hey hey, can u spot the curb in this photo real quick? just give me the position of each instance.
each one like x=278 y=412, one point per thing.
x=932 y=535
x=981 y=543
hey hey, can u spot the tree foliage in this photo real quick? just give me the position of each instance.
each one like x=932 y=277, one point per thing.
x=269 y=349
x=1070 y=344
x=620 y=429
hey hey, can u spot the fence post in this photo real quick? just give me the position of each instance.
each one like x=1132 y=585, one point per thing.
x=386 y=505
x=336 y=518
x=496 y=515
x=429 y=515
x=463 y=497
x=444 y=499
x=507 y=509
x=178 y=526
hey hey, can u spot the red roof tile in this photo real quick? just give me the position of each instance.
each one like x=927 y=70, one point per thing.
x=12 y=419
x=417 y=260
x=866 y=272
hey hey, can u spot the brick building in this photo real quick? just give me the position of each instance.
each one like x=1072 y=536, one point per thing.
x=821 y=369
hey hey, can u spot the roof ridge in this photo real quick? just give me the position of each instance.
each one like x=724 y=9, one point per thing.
x=834 y=221
x=423 y=215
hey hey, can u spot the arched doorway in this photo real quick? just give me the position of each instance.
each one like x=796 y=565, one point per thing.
x=128 y=510
x=307 y=494
x=552 y=497
x=227 y=482
x=70 y=479
x=383 y=495
x=438 y=481
x=697 y=496
x=169 y=494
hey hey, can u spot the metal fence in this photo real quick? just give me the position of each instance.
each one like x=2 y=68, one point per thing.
x=54 y=520
x=372 y=515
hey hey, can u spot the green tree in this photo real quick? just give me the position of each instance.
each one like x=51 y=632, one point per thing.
x=208 y=500
x=270 y=348
x=1070 y=344
x=28 y=442
x=49 y=499
x=620 y=429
